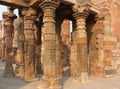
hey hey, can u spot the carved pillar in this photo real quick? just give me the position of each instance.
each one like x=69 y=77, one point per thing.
x=99 y=29
x=30 y=16
x=8 y=18
x=49 y=46
x=3 y=41
x=59 y=20
x=19 y=39
x=79 y=65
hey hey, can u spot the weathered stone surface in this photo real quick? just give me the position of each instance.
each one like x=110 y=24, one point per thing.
x=19 y=45
x=30 y=16
x=8 y=19
x=93 y=46
x=50 y=59
x=80 y=66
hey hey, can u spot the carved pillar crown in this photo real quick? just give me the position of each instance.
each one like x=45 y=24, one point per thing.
x=81 y=11
x=30 y=16
x=99 y=26
x=49 y=7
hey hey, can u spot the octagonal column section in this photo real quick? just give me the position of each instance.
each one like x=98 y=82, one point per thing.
x=79 y=60
x=30 y=16
x=8 y=23
x=49 y=46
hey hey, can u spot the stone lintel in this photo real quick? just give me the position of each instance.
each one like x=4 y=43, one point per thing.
x=34 y=3
x=94 y=8
x=14 y=3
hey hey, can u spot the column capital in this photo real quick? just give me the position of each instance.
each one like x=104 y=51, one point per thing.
x=49 y=8
x=30 y=16
x=8 y=15
x=99 y=17
x=49 y=4
x=99 y=25
x=81 y=11
x=29 y=13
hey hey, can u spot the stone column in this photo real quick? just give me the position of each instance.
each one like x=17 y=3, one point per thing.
x=8 y=18
x=79 y=49
x=30 y=16
x=59 y=62
x=19 y=44
x=3 y=41
x=49 y=46
x=99 y=29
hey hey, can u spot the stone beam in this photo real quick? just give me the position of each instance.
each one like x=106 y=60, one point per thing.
x=14 y=3
x=35 y=3
x=94 y=8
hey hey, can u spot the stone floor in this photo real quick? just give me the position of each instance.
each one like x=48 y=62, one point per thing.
x=95 y=83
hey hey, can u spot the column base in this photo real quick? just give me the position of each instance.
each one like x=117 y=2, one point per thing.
x=83 y=78
x=8 y=72
x=31 y=78
x=100 y=72
x=49 y=84
x=44 y=84
x=20 y=72
x=19 y=75
x=55 y=84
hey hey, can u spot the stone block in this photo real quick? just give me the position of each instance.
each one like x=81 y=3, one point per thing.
x=50 y=37
x=81 y=41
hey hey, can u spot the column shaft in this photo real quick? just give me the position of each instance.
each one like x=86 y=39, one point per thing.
x=9 y=17
x=19 y=44
x=30 y=16
x=49 y=46
x=3 y=41
x=99 y=28
x=79 y=45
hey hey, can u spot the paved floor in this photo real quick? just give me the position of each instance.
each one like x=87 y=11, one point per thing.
x=95 y=83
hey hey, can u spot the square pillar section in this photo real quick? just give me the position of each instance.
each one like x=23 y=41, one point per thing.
x=80 y=42
x=50 y=77
x=30 y=16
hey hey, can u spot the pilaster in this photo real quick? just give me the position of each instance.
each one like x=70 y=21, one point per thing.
x=79 y=44
x=50 y=47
